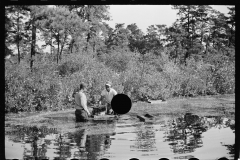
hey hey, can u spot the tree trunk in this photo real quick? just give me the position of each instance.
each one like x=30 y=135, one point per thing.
x=142 y=73
x=188 y=36
x=18 y=39
x=33 y=43
x=88 y=38
x=62 y=45
x=206 y=47
x=51 y=47
x=230 y=37
x=202 y=31
x=71 y=46
x=18 y=48
x=58 y=41
x=192 y=34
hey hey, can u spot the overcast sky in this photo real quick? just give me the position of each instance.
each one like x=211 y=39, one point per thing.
x=146 y=15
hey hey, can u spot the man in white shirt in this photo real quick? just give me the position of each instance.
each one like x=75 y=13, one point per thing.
x=82 y=112
x=108 y=95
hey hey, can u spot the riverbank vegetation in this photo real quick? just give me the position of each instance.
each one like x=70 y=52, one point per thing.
x=195 y=56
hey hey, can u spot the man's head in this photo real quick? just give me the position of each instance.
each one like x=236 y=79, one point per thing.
x=108 y=86
x=83 y=86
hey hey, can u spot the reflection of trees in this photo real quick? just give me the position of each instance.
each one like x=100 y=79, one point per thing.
x=231 y=149
x=218 y=122
x=91 y=146
x=32 y=135
x=184 y=133
x=145 y=140
x=63 y=146
x=39 y=149
x=97 y=145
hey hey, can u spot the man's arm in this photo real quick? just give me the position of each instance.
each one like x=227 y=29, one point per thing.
x=84 y=104
x=114 y=92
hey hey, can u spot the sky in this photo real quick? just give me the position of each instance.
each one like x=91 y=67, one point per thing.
x=146 y=15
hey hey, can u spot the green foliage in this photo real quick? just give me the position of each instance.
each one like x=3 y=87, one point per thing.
x=68 y=68
x=117 y=60
x=29 y=91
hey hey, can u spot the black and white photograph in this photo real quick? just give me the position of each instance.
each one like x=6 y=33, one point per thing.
x=120 y=82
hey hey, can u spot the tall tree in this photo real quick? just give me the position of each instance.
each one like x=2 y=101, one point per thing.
x=36 y=14
x=187 y=19
x=61 y=24
x=8 y=30
x=118 y=40
x=15 y=34
x=231 y=23
x=136 y=38
x=153 y=40
x=93 y=16
x=176 y=42
x=218 y=30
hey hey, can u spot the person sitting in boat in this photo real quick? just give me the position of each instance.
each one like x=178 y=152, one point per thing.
x=82 y=112
x=107 y=94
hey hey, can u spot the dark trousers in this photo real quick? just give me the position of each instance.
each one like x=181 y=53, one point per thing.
x=81 y=115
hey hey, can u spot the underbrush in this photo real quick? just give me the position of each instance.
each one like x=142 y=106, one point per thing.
x=50 y=86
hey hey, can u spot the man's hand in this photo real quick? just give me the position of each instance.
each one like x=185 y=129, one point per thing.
x=111 y=111
x=89 y=114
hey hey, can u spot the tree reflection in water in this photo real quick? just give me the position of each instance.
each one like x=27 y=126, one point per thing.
x=32 y=135
x=91 y=146
x=145 y=140
x=185 y=133
x=81 y=143
x=181 y=136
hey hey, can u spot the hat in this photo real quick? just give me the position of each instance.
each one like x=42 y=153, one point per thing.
x=108 y=83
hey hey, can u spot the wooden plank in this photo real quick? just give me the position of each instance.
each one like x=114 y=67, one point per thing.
x=105 y=117
x=146 y=118
x=141 y=118
x=157 y=101
x=148 y=115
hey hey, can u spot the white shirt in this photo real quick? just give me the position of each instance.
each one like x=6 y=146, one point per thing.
x=81 y=100
x=109 y=95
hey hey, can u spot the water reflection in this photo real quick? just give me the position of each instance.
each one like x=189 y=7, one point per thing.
x=231 y=149
x=179 y=137
x=184 y=134
x=91 y=146
x=145 y=140
x=83 y=143
x=31 y=139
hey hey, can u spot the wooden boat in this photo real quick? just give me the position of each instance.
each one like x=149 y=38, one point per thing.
x=103 y=117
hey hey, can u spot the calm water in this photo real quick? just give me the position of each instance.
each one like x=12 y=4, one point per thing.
x=174 y=138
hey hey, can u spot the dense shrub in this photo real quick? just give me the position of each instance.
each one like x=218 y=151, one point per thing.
x=29 y=91
x=68 y=68
x=50 y=87
x=116 y=60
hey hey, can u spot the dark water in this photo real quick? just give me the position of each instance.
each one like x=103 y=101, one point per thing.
x=179 y=138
